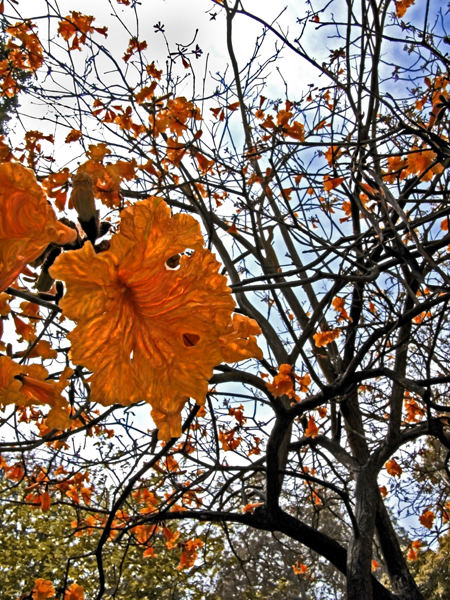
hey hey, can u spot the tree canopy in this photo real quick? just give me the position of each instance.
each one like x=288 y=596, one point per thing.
x=224 y=269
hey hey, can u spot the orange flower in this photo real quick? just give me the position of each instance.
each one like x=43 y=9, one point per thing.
x=134 y=46
x=282 y=383
x=73 y=136
x=250 y=508
x=43 y=589
x=74 y=592
x=339 y=306
x=28 y=56
x=383 y=491
x=413 y=552
x=312 y=430
x=414 y=412
x=332 y=154
x=78 y=26
x=106 y=178
x=300 y=568
x=239 y=342
x=375 y=565
x=10 y=388
x=422 y=162
x=189 y=553
x=329 y=183
x=401 y=6
x=304 y=381
x=427 y=518
x=33 y=388
x=393 y=468
x=323 y=338
x=27 y=222
x=147 y=330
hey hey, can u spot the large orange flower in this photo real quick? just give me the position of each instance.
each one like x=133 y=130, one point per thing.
x=146 y=330
x=27 y=222
x=28 y=385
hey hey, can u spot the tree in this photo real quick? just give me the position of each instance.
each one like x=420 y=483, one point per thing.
x=295 y=379
x=39 y=544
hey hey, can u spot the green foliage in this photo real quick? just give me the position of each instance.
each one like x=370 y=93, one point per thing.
x=36 y=544
x=433 y=571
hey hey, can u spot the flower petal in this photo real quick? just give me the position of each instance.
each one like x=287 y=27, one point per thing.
x=148 y=331
x=27 y=221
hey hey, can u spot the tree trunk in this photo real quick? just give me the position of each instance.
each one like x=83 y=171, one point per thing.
x=359 y=557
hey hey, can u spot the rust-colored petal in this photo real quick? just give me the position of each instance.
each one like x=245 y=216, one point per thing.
x=32 y=388
x=27 y=221
x=10 y=388
x=147 y=330
x=240 y=342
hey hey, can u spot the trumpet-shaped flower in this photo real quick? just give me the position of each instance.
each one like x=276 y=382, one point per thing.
x=152 y=326
x=27 y=221
x=28 y=385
